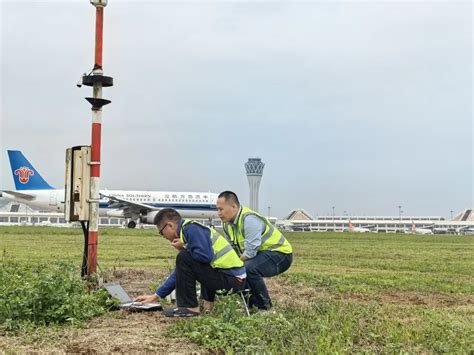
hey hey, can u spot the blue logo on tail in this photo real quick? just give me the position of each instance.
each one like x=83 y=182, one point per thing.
x=26 y=177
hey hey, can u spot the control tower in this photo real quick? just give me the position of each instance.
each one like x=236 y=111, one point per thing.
x=254 y=168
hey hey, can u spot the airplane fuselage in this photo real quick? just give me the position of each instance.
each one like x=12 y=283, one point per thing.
x=188 y=204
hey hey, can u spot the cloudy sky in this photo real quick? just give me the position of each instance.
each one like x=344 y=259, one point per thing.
x=359 y=105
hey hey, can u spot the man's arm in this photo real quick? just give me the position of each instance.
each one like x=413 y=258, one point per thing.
x=161 y=292
x=199 y=243
x=253 y=228
x=167 y=286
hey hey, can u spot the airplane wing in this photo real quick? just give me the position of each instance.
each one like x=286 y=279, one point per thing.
x=20 y=195
x=129 y=207
x=428 y=226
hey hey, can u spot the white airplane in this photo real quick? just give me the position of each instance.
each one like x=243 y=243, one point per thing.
x=460 y=230
x=417 y=230
x=33 y=190
x=358 y=229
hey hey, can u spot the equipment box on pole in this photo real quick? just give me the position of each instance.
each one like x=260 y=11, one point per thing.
x=76 y=200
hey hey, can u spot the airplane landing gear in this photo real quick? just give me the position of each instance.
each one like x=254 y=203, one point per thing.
x=131 y=224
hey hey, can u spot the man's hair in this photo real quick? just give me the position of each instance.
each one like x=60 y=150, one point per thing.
x=229 y=196
x=167 y=215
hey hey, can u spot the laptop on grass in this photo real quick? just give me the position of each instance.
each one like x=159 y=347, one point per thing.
x=126 y=302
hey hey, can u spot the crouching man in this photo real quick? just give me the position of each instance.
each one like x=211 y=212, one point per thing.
x=265 y=251
x=204 y=256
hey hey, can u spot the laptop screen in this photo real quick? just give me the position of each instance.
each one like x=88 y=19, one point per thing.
x=116 y=290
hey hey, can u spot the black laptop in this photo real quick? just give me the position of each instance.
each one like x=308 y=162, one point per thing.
x=126 y=302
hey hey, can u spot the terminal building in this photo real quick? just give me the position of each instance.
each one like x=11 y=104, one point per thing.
x=300 y=220
x=19 y=214
x=297 y=220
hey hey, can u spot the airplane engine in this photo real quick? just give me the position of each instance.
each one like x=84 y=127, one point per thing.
x=115 y=213
x=149 y=217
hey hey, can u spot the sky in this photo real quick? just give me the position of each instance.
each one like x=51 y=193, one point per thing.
x=364 y=106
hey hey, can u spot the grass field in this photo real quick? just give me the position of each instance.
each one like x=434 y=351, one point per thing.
x=344 y=293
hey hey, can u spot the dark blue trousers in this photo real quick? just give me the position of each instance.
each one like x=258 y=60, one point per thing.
x=264 y=264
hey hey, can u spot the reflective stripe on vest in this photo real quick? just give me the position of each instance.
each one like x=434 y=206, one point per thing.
x=224 y=255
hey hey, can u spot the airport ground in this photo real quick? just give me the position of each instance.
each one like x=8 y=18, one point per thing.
x=375 y=293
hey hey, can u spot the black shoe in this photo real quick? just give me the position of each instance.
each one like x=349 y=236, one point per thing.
x=179 y=312
x=265 y=307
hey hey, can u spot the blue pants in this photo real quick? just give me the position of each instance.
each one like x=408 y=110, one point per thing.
x=264 y=264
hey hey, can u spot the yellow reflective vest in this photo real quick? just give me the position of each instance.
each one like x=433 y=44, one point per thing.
x=272 y=239
x=225 y=256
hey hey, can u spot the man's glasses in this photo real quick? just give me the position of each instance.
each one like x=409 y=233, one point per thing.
x=162 y=229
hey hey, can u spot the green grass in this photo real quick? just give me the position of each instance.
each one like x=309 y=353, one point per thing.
x=341 y=283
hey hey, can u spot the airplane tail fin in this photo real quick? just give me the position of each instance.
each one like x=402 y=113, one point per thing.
x=351 y=227
x=26 y=177
x=413 y=226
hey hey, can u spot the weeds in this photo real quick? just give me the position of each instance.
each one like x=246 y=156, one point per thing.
x=328 y=326
x=40 y=295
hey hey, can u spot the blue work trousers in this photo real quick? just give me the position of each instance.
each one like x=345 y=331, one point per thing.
x=264 y=264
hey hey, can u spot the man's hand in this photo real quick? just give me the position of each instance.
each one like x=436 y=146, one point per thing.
x=178 y=244
x=244 y=257
x=146 y=298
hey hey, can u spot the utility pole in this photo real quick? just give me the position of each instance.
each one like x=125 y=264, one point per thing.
x=399 y=217
x=333 y=224
x=97 y=80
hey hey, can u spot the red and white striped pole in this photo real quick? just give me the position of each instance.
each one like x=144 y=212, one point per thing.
x=97 y=80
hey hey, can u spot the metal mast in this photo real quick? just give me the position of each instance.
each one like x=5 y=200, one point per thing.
x=97 y=80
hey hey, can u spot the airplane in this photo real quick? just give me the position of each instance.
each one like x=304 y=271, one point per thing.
x=359 y=229
x=142 y=206
x=460 y=230
x=416 y=230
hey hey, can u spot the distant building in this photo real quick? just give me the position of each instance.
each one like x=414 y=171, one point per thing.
x=466 y=215
x=299 y=214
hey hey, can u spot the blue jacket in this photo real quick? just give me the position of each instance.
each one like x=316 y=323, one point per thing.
x=200 y=247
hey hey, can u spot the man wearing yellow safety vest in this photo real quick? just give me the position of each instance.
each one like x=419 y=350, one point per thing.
x=262 y=247
x=204 y=256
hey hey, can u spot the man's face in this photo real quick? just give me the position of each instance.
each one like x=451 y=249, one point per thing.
x=168 y=230
x=226 y=210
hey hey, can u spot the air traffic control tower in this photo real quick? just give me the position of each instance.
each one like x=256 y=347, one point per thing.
x=254 y=168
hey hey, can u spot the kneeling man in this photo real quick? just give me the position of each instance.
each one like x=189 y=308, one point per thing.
x=204 y=256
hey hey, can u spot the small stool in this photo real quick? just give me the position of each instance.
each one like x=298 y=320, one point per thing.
x=244 y=294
